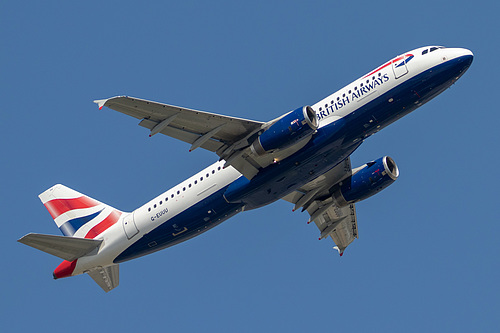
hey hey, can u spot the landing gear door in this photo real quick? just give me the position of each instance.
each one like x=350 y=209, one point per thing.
x=399 y=66
x=129 y=226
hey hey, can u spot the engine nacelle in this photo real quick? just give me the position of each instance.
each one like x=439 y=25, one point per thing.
x=292 y=128
x=367 y=181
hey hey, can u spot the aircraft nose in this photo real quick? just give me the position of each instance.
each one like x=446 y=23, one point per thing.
x=462 y=55
x=468 y=52
x=467 y=55
x=466 y=58
x=460 y=60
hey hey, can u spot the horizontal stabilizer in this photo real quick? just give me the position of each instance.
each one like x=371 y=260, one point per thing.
x=64 y=247
x=107 y=278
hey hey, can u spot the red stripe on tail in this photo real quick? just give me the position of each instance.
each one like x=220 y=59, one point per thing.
x=58 y=207
x=104 y=225
x=65 y=269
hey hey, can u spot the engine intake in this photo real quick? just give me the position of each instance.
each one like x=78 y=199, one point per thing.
x=372 y=178
x=287 y=131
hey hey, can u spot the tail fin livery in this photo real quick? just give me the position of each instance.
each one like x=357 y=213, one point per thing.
x=76 y=214
x=81 y=219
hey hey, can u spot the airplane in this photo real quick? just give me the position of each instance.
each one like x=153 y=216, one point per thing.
x=301 y=157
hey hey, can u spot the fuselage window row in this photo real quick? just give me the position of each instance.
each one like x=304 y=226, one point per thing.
x=184 y=188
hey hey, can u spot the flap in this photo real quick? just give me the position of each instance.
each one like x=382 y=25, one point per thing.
x=332 y=219
x=340 y=223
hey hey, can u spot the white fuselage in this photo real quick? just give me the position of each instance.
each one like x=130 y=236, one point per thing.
x=200 y=187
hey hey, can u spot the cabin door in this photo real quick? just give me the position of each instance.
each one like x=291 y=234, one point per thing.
x=399 y=66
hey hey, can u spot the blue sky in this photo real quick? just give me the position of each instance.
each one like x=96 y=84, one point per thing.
x=427 y=255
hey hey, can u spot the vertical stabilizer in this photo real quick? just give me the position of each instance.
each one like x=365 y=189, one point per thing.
x=76 y=214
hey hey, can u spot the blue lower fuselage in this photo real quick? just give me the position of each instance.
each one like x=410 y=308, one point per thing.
x=328 y=147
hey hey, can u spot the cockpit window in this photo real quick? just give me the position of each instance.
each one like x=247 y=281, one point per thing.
x=434 y=48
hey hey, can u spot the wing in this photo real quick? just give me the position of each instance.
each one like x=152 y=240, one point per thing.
x=201 y=129
x=333 y=218
x=221 y=134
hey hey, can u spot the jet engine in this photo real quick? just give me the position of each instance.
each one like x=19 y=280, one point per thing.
x=367 y=180
x=289 y=130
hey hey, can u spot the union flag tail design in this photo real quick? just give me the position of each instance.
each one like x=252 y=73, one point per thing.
x=76 y=214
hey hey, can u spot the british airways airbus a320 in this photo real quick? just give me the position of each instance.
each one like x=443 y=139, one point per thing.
x=301 y=157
